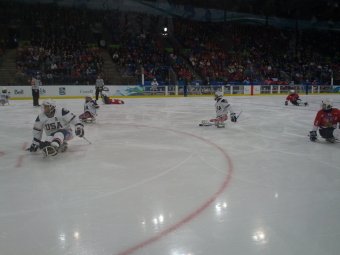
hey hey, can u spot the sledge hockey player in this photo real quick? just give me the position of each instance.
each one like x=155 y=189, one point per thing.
x=107 y=100
x=4 y=96
x=90 y=110
x=294 y=98
x=56 y=123
x=222 y=108
x=326 y=121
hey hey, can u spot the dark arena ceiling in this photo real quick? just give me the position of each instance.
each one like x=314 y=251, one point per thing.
x=314 y=10
x=326 y=10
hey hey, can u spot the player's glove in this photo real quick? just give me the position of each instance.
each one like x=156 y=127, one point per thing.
x=44 y=144
x=286 y=102
x=79 y=131
x=233 y=117
x=34 y=147
x=312 y=136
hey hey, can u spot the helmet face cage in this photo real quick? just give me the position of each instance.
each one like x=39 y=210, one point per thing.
x=48 y=107
x=326 y=104
x=88 y=98
x=218 y=94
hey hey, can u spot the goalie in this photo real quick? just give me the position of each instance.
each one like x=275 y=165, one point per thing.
x=56 y=123
x=325 y=121
x=294 y=99
x=107 y=100
x=222 y=108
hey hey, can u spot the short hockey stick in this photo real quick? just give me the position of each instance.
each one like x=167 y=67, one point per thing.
x=86 y=140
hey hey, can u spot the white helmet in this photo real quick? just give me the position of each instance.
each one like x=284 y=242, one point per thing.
x=48 y=107
x=218 y=94
x=4 y=90
x=292 y=91
x=88 y=97
x=327 y=104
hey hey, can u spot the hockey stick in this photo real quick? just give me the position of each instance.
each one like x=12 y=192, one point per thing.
x=29 y=148
x=238 y=115
x=86 y=140
x=206 y=124
x=89 y=142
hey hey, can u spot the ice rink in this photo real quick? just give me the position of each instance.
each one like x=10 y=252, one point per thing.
x=154 y=183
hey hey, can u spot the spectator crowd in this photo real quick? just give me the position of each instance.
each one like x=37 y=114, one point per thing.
x=61 y=44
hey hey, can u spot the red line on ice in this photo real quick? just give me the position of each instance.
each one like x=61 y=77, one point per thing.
x=21 y=157
x=194 y=214
x=19 y=161
x=24 y=145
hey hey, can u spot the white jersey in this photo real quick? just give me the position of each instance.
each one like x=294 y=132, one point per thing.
x=35 y=83
x=4 y=97
x=91 y=107
x=99 y=83
x=61 y=120
x=222 y=107
x=154 y=84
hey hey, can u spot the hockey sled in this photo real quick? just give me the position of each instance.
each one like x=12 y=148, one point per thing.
x=88 y=120
x=327 y=140
x=205 y=123
x=50 y=151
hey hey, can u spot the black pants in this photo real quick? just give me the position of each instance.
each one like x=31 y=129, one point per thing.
x=35 y=95
x=106 y=100
x=98 y=90
x=326 y=132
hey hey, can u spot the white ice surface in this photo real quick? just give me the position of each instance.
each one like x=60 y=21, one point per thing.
x=147 y=183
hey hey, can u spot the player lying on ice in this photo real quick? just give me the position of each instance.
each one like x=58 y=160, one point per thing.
x=90 y=110
x=222 y=108
x=107 y=100
x=56 y=123
x=294 y=98
x=326 y=120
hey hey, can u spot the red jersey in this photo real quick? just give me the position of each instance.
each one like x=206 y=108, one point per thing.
x=327 y=119
x=116 y=101
x=292 y=97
